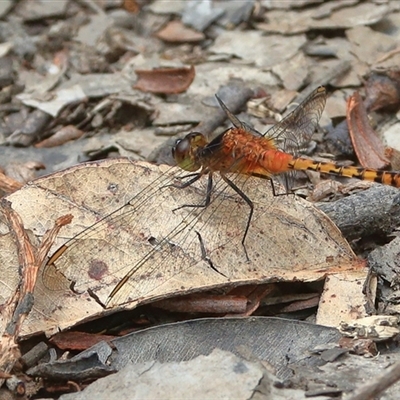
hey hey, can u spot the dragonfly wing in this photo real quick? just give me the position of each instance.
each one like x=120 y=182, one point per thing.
x=128 y=242
x=294 y=132
x=145 y=249
x=235 y=121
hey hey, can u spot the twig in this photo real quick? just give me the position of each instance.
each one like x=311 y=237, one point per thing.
x=353 y=214
x=388 y=55
x=8 y=184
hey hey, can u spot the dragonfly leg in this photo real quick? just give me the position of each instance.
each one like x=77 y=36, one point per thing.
x=90 y=292
x=250 y=204
x=205 y=257
x=208 y=194
x=96 y=298
x=195 y=177
x=274 y=192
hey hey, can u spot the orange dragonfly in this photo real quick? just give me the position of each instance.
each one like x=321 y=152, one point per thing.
x=239 y=150
x=244 y=151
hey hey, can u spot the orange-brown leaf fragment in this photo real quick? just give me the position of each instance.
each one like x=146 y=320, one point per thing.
x=131 y=6
x=369 y=149
x=165 y=80
x=78 y=340
x=9 y=185
x=204 y=303
x=65 y=134
x=176 y=32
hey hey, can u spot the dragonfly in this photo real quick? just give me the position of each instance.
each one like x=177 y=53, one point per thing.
x=238 y=152
x=241 y=150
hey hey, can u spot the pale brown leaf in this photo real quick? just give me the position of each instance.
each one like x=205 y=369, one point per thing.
x=159 y=247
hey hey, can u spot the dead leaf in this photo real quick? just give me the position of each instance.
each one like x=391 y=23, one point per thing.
x=33 y=128
x=293 y=72
x=78 y=340
x=131 y=6
x=65 y=134
x=382 y=91
x=9 y=185
x=301 y=305
x=335 y=305
x=338 y=138
x=177 y=32
x=165 y=80
x=253 y=46
x=324 y=189
x=204 y=303
x=254 y=294
x=360 y=347
x=369 y=149
x=161 y=248
x=368 y=45
x=265 y=338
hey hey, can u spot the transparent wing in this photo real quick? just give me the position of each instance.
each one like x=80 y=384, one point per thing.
x=235 y=121
x=144 y=245
x=294 y=132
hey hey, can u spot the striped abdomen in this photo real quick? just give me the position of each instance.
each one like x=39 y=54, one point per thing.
x=391 y=178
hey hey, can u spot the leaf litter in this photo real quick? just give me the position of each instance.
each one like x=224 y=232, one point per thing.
x=95 y=67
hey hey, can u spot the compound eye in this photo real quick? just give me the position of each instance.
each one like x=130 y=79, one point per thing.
x=181 y=150
x=185 y=151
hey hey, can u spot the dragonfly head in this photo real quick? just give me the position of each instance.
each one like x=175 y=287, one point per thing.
x=185 y=151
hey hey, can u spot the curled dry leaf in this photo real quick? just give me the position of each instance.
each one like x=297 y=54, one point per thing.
x=165 y=80
x=177 y=32
x=65 y=134
x=368 y=147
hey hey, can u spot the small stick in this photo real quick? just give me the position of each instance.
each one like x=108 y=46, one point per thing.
x=8 y=184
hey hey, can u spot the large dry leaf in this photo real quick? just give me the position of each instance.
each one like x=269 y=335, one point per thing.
x=288 y=239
